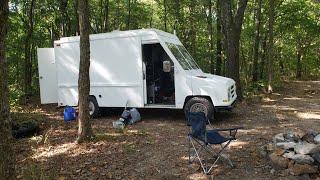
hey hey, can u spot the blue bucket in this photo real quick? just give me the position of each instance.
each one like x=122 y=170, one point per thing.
x=69 y=114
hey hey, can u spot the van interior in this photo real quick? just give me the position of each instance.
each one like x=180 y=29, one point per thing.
x=159 y=82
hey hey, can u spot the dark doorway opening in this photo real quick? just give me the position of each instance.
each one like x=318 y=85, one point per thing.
x=159 y=82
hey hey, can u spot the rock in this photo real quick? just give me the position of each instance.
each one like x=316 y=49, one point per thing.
x=278 y=162
x=278 y=138
x=302 y=159
x=306 y=148
x=316 y=157
x=289 y=154
x=262 y=151
x=286 y=145
x=308 y=138
x=298 y=169
x=305 y=177
x=291 y=136
x=312 y=132
x=317 y=139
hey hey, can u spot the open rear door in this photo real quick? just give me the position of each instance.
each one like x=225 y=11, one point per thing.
x=47 y=76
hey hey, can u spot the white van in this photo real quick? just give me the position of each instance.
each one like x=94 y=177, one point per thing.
x=145 y=68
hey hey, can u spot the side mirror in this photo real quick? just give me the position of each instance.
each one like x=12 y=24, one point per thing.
x=166 y=66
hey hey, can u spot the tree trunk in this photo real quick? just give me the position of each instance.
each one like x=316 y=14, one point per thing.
x=75 y=4
x=256 y=41
x=106 y=16
x=85 y=130
x=299 y=64
x=64 y=17
x=27 y=53
x=232 y=31
x=178 y=19
x=218 y=41
x=6 y=153
x=117 y=19
x=263 y=56
x=192 y=32
x=165 y=15
x=210 y=31
x=270 y=46
x=129 y=15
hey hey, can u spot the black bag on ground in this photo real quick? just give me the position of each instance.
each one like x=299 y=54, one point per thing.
x=26 y=129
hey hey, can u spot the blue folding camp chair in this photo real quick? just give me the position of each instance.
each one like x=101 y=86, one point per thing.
x=205 y=140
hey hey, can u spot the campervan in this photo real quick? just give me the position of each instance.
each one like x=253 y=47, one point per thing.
x=145 y=68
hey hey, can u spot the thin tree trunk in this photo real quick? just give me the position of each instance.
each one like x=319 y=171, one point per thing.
x=129 y=15
x=270 y=45
x=27 y=52
x=106 y=16
x=282 y=70
x=6 y=153
x=193 y=35
x=178 y=19
x=117 y=19
x=256 y=42
x=299 y=64
x=75 y=4
x=85 y=130
x=64 y=17
x=263 y=57
x=165 y=15
x=210 y=30
x=232 y=31
x=218 y=40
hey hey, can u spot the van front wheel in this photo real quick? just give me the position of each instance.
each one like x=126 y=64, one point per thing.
x=200 y=104
x=93 y=107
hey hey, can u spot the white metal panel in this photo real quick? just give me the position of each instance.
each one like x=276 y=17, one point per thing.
x=116 y=67
x=115 y=72
x=47 y=75
x=67 y=60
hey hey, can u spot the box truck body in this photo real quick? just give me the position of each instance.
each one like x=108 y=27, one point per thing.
x=145 y=68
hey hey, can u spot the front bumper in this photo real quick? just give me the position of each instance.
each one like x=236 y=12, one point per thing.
x=226 y=108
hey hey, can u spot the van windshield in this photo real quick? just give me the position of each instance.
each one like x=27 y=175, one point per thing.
x=183 y=56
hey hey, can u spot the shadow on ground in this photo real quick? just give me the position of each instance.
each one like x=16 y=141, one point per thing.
x=157 y=147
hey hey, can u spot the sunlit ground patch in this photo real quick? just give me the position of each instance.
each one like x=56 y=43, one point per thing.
x=53 y=150
x=308 y=115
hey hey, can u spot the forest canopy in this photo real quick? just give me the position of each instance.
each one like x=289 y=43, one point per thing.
x=34 y=24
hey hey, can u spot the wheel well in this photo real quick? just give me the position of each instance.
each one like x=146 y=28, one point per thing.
x=89 y=96
x=189 y=97
x=94 y=98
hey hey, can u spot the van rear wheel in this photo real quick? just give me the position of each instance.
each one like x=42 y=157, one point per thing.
x=93 y=107
x=200 y=104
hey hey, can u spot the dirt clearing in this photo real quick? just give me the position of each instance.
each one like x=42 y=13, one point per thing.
x=157 y=147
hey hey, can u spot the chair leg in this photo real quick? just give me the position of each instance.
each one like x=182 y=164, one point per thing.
x=210 y=151
x=203 y=166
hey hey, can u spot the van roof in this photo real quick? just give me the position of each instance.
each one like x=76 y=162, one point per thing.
x=117 y=33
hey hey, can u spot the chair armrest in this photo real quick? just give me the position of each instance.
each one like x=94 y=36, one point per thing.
x=232 y=131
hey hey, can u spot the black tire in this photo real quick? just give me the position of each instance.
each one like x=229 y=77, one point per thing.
x=94 y=108
x=202 y=103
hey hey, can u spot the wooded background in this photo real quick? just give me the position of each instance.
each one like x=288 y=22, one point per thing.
x=278 y=37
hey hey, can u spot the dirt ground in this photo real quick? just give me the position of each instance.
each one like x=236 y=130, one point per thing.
x=157 y=147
